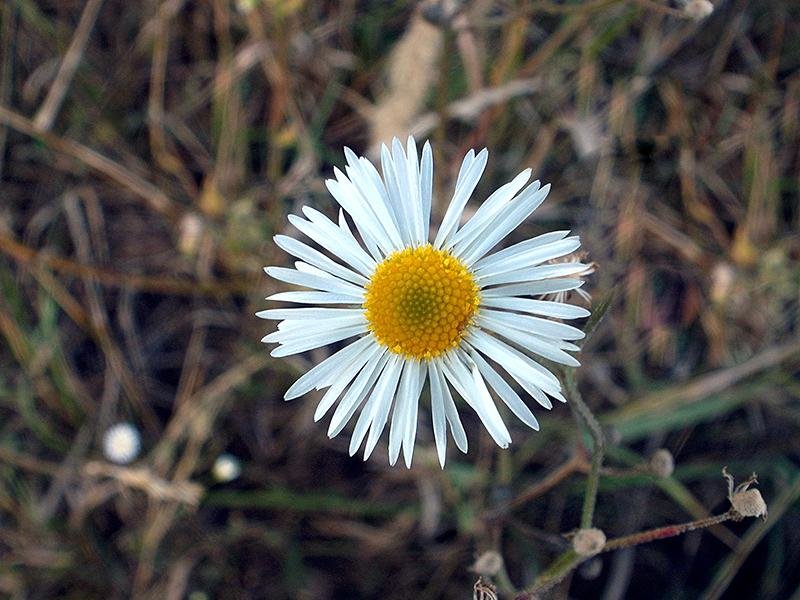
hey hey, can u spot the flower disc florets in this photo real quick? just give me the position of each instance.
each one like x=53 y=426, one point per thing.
x=419 y=301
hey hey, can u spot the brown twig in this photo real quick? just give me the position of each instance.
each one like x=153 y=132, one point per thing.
x=52 y=103
x=576 y=464
x=152 y=195
x=36 y=259
x=184 y=492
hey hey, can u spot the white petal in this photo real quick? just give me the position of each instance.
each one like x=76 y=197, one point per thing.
x=503 y=353
x=426 y=187
x=529 y=258
x=532 y=288
x=522 y=247
x=402 y=409
x=489 y=210
x=534 y=274
x=343 y=379
x=373 y=195
x=507 y=220
x=391 y=177
x=471 y=171
x=381 y=222
x=556 y=310
x=414 y=198
x=357 y=392
x=404 y=185
x=507 y=395
x=363 y=174
x=526 y=372
x=317 y=298
x=328 y=235
x=451 y=412
x=385 y=391
x=437 y=414
x=364 y=218
x=319 y=339
x=293 y=332
x=326 y=372
x=541 y=346
x=319 y=260
x=469 y=383
x=324 y=283
x=410 y=429
x=535 y=325
x=373 y=404
x=307 y=313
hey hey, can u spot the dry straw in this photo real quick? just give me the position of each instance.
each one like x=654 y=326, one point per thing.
x=411 y=72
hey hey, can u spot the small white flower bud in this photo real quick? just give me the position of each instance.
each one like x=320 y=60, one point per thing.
x=121 y=443
x=226 y=468
x=488 y=564
x=587 y=542
x=662 y=464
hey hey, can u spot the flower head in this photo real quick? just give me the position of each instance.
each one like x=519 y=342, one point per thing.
x=438 y=311
x=226 y=468
x=121 y=443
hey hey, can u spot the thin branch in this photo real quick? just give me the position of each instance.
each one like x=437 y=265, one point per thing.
x=152 y=195
x=592 y=480
x=52 y=103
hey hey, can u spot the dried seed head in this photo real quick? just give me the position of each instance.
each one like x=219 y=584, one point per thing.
x=749 y=503
x=483 y=590
x=488 y=564
x=662 y=464
x=587 y=542
x=744 y=501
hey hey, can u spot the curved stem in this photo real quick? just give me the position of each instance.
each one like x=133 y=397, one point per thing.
x=592 y=481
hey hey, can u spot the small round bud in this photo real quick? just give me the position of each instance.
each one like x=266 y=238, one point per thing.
x=587 y=542
x=226 y=468
x=121 y=443
x=749 y=503
x=698 y=9
x=661 y=463
x=488 y=564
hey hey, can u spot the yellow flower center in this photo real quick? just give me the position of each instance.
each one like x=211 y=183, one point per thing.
x=419 y=301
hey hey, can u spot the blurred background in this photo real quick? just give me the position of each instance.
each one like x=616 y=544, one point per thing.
x=150 y=150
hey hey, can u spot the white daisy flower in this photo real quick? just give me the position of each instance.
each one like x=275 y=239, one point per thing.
x=226 y=468
x=121 y=443
x=419 y=307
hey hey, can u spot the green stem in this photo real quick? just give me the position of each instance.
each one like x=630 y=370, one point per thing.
x=593 y=479
x=555 y=573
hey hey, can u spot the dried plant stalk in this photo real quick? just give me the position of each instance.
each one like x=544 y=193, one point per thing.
x=411 y=73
